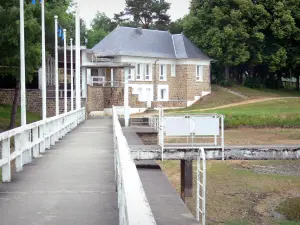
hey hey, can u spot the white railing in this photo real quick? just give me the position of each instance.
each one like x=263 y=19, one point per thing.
x=134 y=208
x=201 y=187
x=32 y=139
x=98 y=80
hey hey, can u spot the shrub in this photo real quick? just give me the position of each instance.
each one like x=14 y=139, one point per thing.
x=272 y=83
x=226 y=83
x=252 y=83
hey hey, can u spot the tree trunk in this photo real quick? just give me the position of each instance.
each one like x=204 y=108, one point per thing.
x=297 y=83
x=227 y=73
x=15 y=106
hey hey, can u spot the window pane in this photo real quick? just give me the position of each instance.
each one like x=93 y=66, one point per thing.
x=139 y=68
x=162 y=93
x=147 y=69
x=162 y=70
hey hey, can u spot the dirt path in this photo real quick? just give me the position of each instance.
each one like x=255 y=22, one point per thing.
x=243 y=103
x=246 y=102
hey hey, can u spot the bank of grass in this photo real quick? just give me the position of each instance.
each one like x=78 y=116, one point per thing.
x=290 y=208
x=264 y=92
x=237 y=194
x=273 y=113
x=218 y=97
x=5 y=111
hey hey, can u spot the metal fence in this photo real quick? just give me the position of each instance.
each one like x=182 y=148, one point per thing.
x=201 y=187
x=201 y=130
x=134 y=208
x=27 y=142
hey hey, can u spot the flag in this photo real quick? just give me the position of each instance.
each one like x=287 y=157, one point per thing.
x=33 y=2
x=59 y=32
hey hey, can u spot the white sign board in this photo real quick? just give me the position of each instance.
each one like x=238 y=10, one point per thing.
x=177 y=126
x=207 y=126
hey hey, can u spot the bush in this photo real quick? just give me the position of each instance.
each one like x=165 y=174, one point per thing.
x=252 y=83
x=272 y=83
x=226 y=83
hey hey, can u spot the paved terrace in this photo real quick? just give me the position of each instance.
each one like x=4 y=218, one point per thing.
x=71 y=184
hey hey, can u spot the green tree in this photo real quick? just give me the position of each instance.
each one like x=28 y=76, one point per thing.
x=146 y=13
x=10 y=38
x=100 y=27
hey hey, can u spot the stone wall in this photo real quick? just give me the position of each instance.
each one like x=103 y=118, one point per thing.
x=34 y=101
x=169 y=104
x=95 y=100
x=195 y=88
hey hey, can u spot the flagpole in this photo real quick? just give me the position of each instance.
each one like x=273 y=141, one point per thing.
x=56 y=68
x=78 y=93
x=65 y=70
x=44 y=109
x=22 y=65
x=72 y=75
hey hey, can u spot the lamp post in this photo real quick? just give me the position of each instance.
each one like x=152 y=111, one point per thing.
x=22 y=65
x=56 y=68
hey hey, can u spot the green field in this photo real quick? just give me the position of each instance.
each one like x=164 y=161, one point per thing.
x=282 y=112
x=274 y=113
x=5 y=111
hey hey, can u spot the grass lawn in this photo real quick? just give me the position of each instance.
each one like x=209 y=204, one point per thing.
x=264 y=92
x=218 y=97
x=5 y=111
x=272 y=113
x=242 y=192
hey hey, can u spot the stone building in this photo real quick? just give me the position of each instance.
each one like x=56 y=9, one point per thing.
x=162 y=70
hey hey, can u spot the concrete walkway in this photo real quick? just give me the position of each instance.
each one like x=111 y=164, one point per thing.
x=71 y=184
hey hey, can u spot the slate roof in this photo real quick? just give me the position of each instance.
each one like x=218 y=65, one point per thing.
x=127 y=41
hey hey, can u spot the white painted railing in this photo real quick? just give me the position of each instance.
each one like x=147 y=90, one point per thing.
x=134 y=208
x=201 y=187
x=31 y=140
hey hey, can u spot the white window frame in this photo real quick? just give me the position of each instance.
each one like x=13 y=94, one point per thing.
x=148 y=77
x=173 y=70
x=139 y=74
x=127 y=70
x=199 y=73
x=159 y=89
x=163 y=77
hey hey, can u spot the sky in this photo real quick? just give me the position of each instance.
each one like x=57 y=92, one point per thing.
x=88 y=8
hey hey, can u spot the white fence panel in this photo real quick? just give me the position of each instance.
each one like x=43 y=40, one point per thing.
x=177 y=126
x=207 y=126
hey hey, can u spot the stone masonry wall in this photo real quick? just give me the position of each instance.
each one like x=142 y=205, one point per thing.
x=169 y=104
x=34 y=101
x=195 y=88
x=95 y=100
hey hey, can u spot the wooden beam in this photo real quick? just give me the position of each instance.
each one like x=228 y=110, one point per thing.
x=186 y=168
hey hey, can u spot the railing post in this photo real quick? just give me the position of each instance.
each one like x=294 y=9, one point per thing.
x=42 y=137
x=26 y=139
x=35 y=137
x=6 y=171
x=18 y=150
x=52 y=133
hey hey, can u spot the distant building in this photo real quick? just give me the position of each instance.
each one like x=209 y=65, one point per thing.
x=163 y=70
